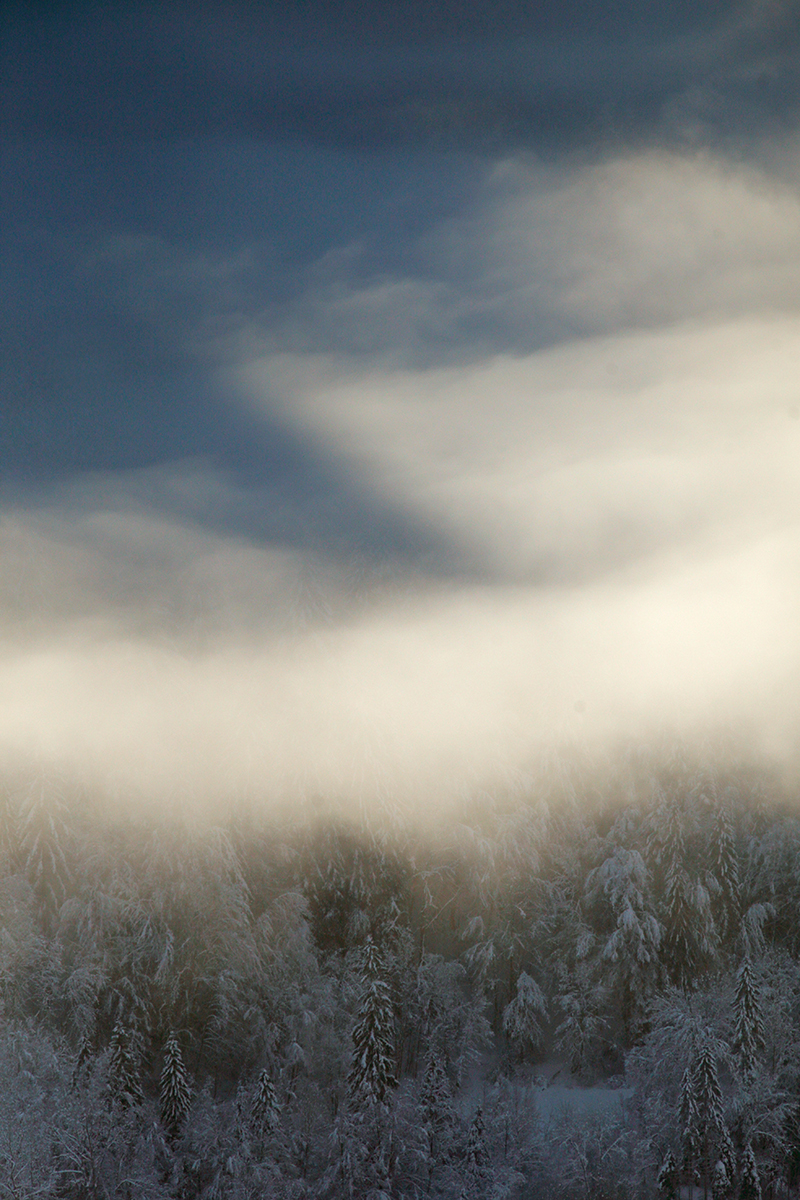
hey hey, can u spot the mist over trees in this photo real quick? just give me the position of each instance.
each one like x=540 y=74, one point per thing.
x=588 y=985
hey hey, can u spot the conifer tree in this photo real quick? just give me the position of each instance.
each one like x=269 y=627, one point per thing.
x=175 y=1091
x=44 y=838
x=84 y=1056
x=725 y=868
x=123 y=1072
x=436 y=1105
x=721 y=1183
x=265 y=1110
x=751 y=1184
x=476 y=1160
x=619 y=890
x=748 y=1028
x=688 y=942
x=522 y=1019
x=667 y=1179
x=705 y=1135
x=689 y=1116
x=372 y=1073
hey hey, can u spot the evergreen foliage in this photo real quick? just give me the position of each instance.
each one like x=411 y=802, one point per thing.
x=372 y=1073
x=523 y=1017
x=750 y=1188
x=725 y=868
x=721 y=1182
x=175 y=1089
x=748 y=1027
x=43 y=847
x=667 y=1179
x=375 y=1013
x=265 y=1110
x=123 y=1070
x=476 y=1162
x=437 y=1112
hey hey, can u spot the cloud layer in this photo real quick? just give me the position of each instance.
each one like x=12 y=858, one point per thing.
x=571 y=426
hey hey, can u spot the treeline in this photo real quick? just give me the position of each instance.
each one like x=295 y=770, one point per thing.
x=326 y=1009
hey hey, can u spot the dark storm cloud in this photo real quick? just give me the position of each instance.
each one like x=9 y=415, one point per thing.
x=381 y=74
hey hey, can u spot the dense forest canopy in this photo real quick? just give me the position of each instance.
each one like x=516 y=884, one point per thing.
x=588 y=982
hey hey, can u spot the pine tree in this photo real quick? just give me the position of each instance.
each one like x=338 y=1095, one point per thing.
x=727 y=1156
x=721 y=1183
x=688 y=942
x=619 y=891
x=436 y=1105
x=751 y=1184
x=725 y=868
x=748 y=1028
x=522 y=1019
x=84 y=1056
x=123 y=1073
x=265 y=1110
x=667 y=1179
x=708 y=1134
x=476 y=1160
x=372 y=1072
x=176 y=1093
x=689 y=1116
x=44 y=838
x=704 y=1133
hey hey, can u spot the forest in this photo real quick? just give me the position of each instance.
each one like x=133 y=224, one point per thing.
x=584 y=984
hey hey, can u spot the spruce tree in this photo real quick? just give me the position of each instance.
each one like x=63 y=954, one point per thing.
x=265 y=1110
x=43 y=845
x=175 y=1090
x=522 y=1019
x=705 y=1134
x=667 y=1179
x=84 y=1056
x=688 y=942
x=725 y=868
x=689 y=1116
x=372 y=1073
x=721 y=1183
x=436 y=1106
x=748 y=1027
x=123 y=1072
x=751 y=1184
x=477 y=1160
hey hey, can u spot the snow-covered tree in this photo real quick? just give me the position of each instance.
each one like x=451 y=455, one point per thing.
x=523 y=1017
x=748 y=1025
x=689 y=939
x=705 y=1135
x=447 y=1018
x=725 y=870
x=265 y=1109
x=372 y=1073
x=436 y=1108
x=668 y=1178
x=582 y=1034
x=175 y=1089
x=629 y=954
x=123 y=1069
x=721 y=1182
x=477 y=1172
x=43 y=847
x=750 y=1188
x=437 y=1122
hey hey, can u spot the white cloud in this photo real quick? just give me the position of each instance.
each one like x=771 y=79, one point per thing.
x=632 y=493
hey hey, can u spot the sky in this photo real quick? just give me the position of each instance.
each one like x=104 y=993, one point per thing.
x=394 y=393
